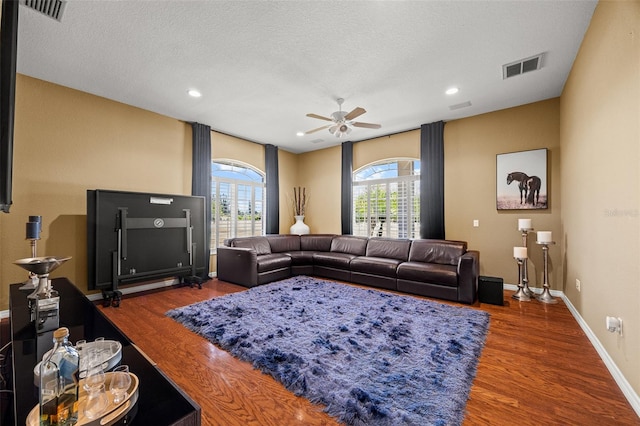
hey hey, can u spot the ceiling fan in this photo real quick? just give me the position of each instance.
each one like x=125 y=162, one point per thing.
x=342 y=121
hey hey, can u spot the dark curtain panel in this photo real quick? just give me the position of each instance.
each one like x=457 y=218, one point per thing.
x=8 y=50
x=272 y=225
x=347 y=190
x=432 y=180
x=201 y=180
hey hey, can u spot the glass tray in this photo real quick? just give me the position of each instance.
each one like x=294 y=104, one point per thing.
x=111 y=414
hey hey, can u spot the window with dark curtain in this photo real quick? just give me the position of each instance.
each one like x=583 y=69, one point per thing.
x=201 y=179
x=432 y=180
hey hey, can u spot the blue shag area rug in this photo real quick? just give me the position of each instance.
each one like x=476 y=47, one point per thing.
x=370 y=357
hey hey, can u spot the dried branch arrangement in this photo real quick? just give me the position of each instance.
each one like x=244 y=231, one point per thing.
x=299 y=201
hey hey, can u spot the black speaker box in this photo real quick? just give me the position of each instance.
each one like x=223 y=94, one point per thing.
x=490 y=290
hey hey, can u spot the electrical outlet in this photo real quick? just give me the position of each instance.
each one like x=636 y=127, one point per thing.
x=476 y=223
x=577 y=284
x=614 y=325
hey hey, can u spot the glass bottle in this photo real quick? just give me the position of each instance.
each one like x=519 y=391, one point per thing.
x=59 y=376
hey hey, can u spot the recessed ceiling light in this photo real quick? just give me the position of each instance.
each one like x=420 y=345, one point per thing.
x=194 y=93
x=300 y=134
x=452 y=91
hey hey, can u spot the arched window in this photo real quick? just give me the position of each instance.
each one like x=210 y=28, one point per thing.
x=386 y=199
x=237 y=201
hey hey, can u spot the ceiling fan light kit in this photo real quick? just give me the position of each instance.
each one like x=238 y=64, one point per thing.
x=343 y=121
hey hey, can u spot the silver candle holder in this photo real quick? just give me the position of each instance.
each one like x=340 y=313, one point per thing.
x=525 y=270
x=520 y=255
x=545 y=296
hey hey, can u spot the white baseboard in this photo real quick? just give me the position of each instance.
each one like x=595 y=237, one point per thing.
x=622 y=382
x=514 y=287
x=617 y=375
x=138 y=288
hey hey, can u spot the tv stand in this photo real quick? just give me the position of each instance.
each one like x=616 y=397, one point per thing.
x=185 y=273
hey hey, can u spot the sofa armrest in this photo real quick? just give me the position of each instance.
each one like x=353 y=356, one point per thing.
x=237 y=265
x=468 y=273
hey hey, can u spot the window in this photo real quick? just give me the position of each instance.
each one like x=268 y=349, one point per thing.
x=386 y=199
x=237 y=201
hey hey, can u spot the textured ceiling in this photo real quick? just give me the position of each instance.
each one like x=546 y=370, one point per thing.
x=263 y=65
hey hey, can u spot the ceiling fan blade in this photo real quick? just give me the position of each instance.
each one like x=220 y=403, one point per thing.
x=367 y=125
x=316 y=130
x=356 y=112
x=319 y=117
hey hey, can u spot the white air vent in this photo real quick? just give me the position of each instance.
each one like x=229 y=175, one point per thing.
x=317 y=140
x=523 y=65
x=51 y=8
x=458 y=106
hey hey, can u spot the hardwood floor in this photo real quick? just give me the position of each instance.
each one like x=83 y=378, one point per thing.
x=537 y=368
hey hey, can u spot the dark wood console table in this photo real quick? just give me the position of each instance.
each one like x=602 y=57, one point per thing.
x=160 y=401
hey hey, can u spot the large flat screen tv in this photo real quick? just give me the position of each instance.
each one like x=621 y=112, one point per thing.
x=134 y=237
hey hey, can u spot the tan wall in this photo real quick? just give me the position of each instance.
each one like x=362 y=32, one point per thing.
x=471 y=146
x=225 y=147
x=320 y=173
x=66 y=142
x=400 y=145
x=600 y=182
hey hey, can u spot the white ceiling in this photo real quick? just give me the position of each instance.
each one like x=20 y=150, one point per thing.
x=263 y=65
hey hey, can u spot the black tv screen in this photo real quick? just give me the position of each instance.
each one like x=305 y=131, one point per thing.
x=134 y=237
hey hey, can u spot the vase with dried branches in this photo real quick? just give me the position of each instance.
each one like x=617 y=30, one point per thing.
x=299 y=208
x=299 y=201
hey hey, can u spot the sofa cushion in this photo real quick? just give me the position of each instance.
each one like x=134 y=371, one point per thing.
x=437 y=251
x=349 y=244
x=301 y=257
x=270 y=262
x=428 y=273
x=375 y=265
x=316 y=242
x=282 y=243
x=259 y=244
x=333 y=259
x=389 y=248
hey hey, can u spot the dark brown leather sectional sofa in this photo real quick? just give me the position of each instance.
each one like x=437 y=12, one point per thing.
x=435 y=268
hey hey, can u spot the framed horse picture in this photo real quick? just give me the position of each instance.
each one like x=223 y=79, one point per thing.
x=521 y=180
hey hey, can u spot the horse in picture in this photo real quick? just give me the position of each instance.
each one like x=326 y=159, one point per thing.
x=533 y=185
x=529 y=187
